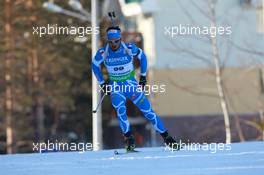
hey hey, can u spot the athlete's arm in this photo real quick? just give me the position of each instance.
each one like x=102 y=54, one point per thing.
x=96 y=66
x=139 y=53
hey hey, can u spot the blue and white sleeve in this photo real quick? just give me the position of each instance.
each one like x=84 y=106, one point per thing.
x=139 y=53
x=96 y=66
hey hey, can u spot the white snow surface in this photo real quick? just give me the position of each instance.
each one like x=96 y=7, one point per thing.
x=243 y=159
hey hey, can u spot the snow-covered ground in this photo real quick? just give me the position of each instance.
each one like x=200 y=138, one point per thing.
x=243 y=159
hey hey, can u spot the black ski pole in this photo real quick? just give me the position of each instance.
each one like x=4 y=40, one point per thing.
x=99 y=104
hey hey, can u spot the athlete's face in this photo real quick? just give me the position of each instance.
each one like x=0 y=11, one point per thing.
x=114 y=43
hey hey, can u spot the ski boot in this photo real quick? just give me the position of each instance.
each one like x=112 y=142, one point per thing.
x=169 y=141
x=129 y=142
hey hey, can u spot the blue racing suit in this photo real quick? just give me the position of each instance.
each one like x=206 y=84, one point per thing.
x=121 y=73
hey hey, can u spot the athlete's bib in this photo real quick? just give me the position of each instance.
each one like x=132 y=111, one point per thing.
x=119 y=65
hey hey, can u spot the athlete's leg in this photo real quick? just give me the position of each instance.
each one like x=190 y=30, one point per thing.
x=119 y=103
x=141 y=101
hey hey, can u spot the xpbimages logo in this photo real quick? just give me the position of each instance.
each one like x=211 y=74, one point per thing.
x=127 y=88
x=191 y=146
x=212 y=31
x=54 y=29
x=56 y=146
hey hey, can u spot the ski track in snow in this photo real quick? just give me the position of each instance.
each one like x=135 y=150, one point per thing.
x=176 y=156
x=243 y=159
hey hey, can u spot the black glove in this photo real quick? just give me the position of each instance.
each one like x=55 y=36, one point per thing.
x=142 y=81
x=105 y=88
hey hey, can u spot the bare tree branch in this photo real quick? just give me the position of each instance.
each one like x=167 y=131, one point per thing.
x=194 y=22
x=202 y=11
x=190 y=52
x=255 y=52
x=191 y=90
